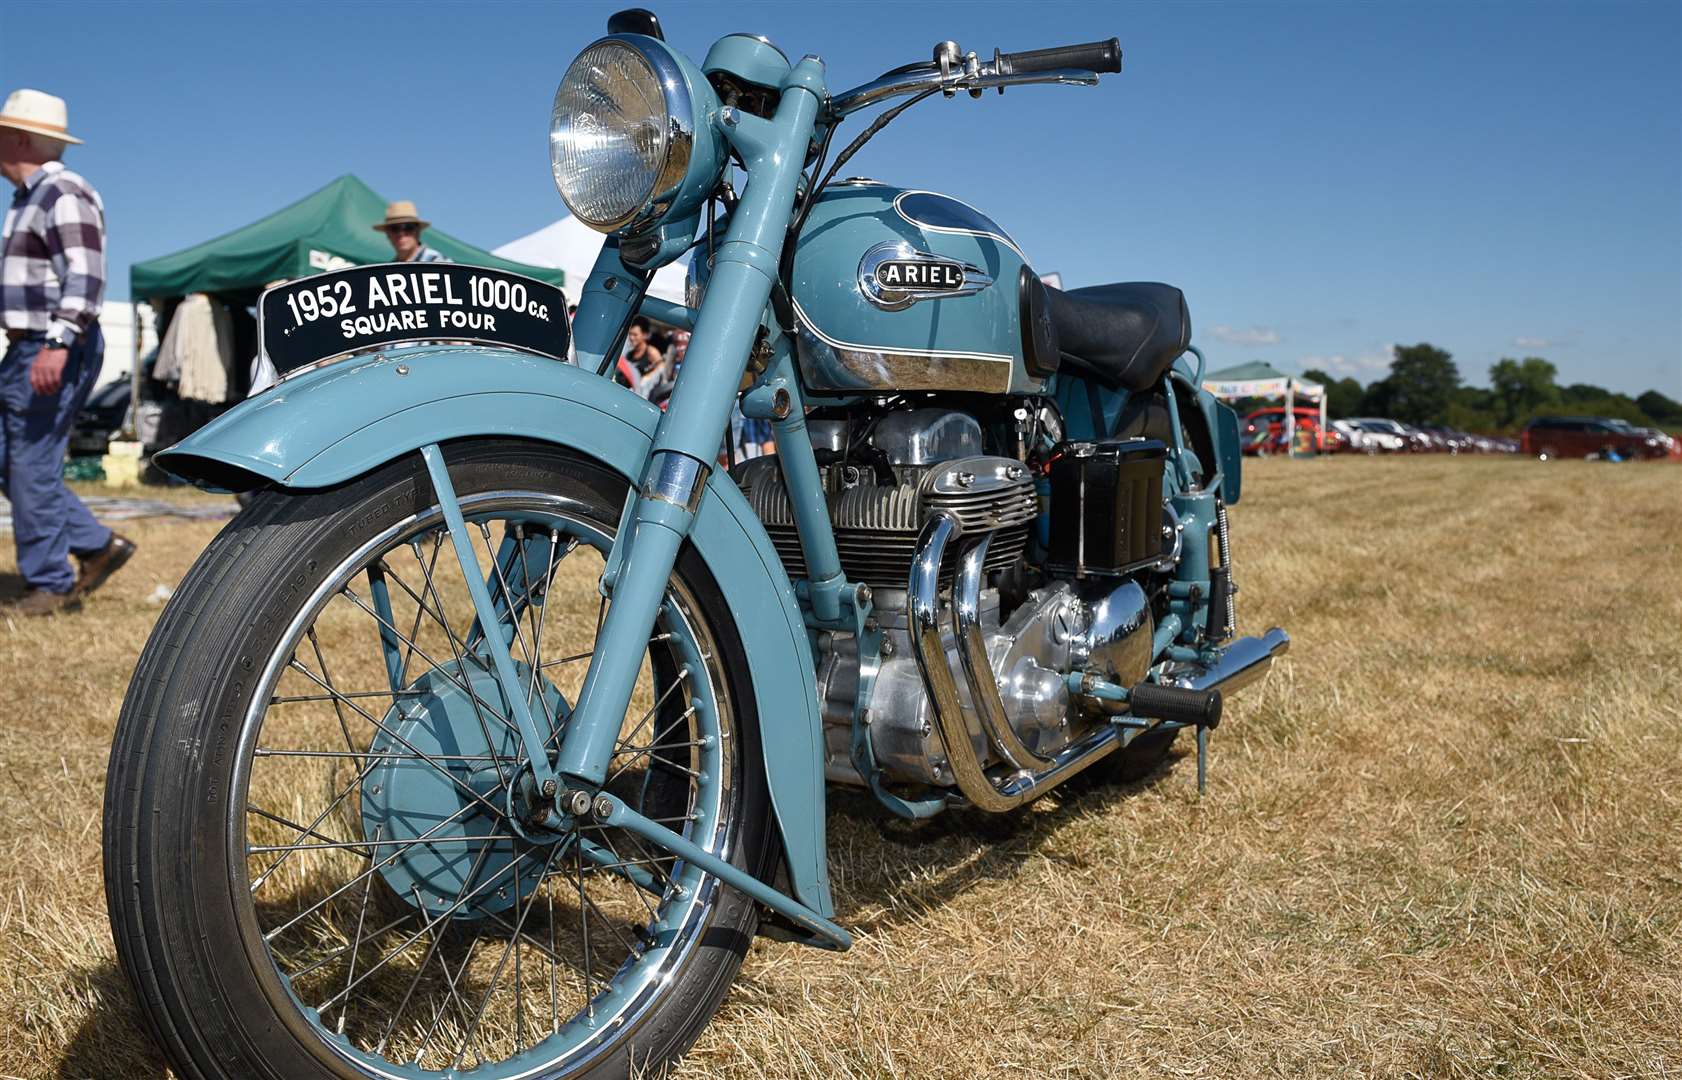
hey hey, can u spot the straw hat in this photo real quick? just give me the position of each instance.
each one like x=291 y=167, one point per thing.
x=401 y=212
x=37 y=113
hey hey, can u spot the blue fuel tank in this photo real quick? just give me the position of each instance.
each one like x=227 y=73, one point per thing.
x=903 y=290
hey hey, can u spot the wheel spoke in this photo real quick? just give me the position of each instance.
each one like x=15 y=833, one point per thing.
x=514 y=615
x=442 y=669
x=434 y=921
x=450 y=983
x=420 y=608
x=338 y=709
x=317 y=965
x=638 y=892
x=428 y=990
x=496 y=977
x=437 y=938
x=543 y=612
x=362 y=847
x=338 y=800
x=270 y=935
x=382 y=755
x=554 y=971
x=656 y=745
x=465 y=788
x=348 y=695
x=356 y=942
x=307 y=830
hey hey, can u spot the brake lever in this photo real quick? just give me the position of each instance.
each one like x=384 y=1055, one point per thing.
x=986 y=79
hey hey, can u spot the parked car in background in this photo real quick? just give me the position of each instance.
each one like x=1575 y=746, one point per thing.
x=1550 y=437
x=1419 y=441
x=99 y=419
x=1452 y=440
x=1264 y=431
x=1356 y=438
x=1388 y=435
x=1658 y=439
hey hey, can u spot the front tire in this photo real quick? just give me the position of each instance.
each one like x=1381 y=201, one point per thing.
x=229 y=743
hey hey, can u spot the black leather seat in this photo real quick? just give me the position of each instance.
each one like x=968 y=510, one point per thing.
x=1125 y=334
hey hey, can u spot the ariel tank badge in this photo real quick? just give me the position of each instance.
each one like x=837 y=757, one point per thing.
x=894 y=275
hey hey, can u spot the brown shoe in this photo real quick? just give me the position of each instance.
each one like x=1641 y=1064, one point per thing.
x=42 y=602
x=102 y=564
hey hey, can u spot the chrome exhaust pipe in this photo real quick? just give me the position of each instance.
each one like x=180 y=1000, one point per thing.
x=978 y=667
x=1242 y=662
x=924 y=608
x=972 y=782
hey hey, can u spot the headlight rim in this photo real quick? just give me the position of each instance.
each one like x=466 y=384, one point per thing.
x=679 y=99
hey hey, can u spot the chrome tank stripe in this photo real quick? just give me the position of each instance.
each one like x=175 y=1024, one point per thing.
x=877 y=368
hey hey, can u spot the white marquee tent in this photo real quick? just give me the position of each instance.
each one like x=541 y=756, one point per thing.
x=572 y=246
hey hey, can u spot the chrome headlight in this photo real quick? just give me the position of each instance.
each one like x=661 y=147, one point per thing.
x=622 y=133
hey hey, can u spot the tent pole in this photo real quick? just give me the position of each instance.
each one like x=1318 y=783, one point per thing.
x=134 y=375
x=1290 y=418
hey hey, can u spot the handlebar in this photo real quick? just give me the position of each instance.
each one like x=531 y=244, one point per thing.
x=1071 y=65
x=1103 y=57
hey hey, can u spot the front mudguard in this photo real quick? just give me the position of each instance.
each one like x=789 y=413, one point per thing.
x=328 y=426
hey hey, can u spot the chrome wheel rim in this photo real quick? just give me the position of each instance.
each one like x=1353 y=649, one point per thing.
x=588 y=929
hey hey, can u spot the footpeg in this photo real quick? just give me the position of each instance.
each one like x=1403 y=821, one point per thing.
x=1197 y=709
x=1192 y=708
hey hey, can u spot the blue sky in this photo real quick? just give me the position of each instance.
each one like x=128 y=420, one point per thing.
x=1323 y=179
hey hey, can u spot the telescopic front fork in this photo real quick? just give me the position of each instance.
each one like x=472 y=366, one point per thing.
x=686 y=442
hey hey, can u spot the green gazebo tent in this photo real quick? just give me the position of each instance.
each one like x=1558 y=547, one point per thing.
x=327 y=230
x=1260 y=380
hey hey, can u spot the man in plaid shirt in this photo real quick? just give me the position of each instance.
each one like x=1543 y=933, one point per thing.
x=52 y=280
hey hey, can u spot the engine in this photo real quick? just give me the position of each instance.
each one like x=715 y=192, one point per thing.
x=884 y=479
x=907 y=466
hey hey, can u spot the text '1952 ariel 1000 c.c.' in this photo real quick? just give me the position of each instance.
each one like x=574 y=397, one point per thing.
x=491 y=731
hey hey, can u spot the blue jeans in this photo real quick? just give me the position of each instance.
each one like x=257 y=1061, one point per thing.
x=48 y=521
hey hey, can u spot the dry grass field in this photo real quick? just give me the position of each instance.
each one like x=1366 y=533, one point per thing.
x=1444 y=838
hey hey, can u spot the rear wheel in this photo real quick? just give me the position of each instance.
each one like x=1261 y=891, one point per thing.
x=314 y=861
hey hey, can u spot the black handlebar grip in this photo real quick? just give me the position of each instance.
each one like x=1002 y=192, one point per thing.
x=1103 y=57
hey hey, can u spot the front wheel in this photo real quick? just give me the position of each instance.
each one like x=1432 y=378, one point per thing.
x=315 y=863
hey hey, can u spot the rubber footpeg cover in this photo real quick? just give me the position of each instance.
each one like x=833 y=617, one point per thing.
x=1194 y=708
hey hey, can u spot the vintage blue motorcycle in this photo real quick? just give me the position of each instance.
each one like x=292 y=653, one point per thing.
x=488 y=735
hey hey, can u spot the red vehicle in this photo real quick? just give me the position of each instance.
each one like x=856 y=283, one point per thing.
x=1264 y=432
x=1580 y=436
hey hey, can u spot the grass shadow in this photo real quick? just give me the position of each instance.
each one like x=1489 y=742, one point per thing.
x=11 y=587
x=112 y=1040
x=934 y=862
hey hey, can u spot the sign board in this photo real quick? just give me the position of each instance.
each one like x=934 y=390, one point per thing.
x=369 y=307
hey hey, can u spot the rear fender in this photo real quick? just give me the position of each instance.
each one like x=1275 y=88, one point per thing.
x=330 y=425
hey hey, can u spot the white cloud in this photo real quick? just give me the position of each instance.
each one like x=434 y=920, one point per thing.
x=1367 y=365
x=1531 y=342
x=1255 y=335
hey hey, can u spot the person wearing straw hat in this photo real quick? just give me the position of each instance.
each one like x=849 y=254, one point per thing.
x=52 y=281
x=402 y=227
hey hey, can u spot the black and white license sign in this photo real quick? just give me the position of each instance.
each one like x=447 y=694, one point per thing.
x=367 y=307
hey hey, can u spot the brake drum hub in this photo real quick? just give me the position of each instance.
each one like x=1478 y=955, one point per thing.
x=468 y=844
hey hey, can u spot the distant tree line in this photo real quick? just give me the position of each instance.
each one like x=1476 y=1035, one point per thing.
x=1424 y=387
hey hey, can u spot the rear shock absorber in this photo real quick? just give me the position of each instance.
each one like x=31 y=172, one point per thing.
x=1223 y=609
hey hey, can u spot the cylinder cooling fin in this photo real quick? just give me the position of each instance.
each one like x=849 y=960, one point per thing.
x=876 y=524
